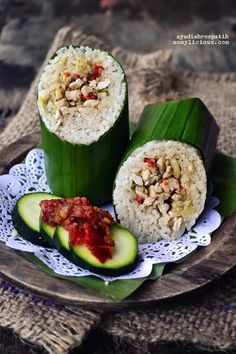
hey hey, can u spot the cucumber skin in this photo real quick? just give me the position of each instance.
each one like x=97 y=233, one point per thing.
x=107 y=271
x=86 y=170
x=45 y=235
x=160 y=122
x=26 y=232
x=103 y=271
x=62 y=250
x=74 y=258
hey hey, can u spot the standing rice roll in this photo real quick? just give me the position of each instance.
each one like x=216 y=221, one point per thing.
x=83 y=107
x=161 y=186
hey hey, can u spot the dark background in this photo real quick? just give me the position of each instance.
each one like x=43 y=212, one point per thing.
x=27 y=28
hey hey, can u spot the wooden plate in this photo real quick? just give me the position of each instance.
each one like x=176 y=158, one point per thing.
x=203 y=267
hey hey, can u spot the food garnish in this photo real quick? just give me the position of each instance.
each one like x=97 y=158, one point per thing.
x=87 y=225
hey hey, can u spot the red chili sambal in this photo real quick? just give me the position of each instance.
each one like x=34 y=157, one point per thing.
x=87 y=225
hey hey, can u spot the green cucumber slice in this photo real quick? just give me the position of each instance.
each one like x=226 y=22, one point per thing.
x=26 y=217
x=123 y=259
x=61 y=242
x=47 y=232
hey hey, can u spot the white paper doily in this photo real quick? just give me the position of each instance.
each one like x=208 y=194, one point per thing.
x=30 y=177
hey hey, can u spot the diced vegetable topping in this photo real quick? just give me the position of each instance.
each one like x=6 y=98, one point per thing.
x=86 y=87
x=164 y=186
x=138 y=199
x=87 y=225
x=150 y=162
x=96 y=73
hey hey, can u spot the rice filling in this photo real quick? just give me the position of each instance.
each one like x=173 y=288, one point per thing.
x=160 y=190
x=81 y=94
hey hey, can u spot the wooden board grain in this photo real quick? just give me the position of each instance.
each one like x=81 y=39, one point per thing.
x=204 y=266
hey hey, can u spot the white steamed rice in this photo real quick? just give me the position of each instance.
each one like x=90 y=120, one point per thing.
x=81 y=124
x=147 y=222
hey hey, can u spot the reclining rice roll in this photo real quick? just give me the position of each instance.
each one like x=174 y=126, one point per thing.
x=161 y=186
x=83 y=108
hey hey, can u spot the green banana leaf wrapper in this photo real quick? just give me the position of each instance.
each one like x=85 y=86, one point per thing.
x=186 y=120
x=86 y=170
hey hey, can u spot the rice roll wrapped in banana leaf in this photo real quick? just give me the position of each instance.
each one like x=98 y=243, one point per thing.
x=161 y=186
x=83 y=108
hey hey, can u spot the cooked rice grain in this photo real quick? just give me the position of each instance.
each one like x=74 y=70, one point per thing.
x=146 y=221
x=81 y=123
